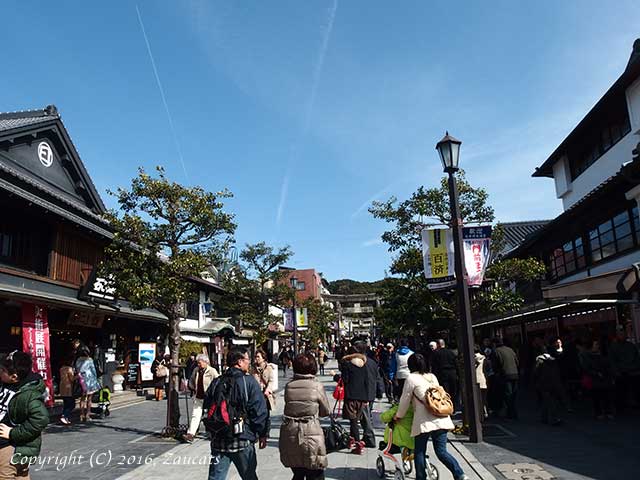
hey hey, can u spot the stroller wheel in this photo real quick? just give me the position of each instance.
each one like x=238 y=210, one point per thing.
x=380 y=467
x=407 y=457
x=398 y=474
x=433 y=472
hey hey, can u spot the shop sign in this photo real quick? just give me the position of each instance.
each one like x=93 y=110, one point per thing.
x=146 y=356
x=287 y=316
x=301 y=317
x=35 y=341
x=86 y=319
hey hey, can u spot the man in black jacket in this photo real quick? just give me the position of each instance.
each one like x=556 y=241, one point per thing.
x=444 y=366
x=359 y=375
x=239 y=449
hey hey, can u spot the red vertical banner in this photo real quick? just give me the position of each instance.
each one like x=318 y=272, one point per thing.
x=35 y=342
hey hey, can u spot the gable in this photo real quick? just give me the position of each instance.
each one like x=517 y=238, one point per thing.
x=44 y=156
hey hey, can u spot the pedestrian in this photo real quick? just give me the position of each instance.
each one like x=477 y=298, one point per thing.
x=190 y=366
x=263 y=373
x=444 y=365
x=425 y=425
x=597 y=378
x=388 y=365
x=199 y=382
x=23 y=415
x=402 y=370
x=548 y=383
x=480 y=360
x=88 y=381
x=359 y=375
x=243 y=396
x=285 y=358
x=160 y=373
x=67 y=379
x=322 y=358
x=507 y=370
x=625 y=361
x=301 y=442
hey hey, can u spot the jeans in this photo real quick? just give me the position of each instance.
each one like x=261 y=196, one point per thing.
x=510 y=390
x=68 y=404
x=244 y=460
x=439 y=438
x=367 y=428
x=306 y=473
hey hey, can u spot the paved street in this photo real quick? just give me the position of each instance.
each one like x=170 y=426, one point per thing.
x=119 y=446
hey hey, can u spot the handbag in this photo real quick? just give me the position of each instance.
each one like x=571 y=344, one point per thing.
x=437 y=402
x=338 y=392
x=162 y=371
x=76 y=389
x=335 y=436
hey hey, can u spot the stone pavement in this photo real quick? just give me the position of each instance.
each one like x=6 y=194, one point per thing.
x=192 y=460
x=581 y=449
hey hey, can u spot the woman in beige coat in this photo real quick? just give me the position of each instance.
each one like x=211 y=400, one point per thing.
x=425 y=424
x=301 y=441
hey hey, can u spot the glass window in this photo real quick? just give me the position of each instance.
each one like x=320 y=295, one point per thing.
x=606 y=139
x=621 y=218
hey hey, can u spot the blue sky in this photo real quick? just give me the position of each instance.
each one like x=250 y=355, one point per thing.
x=307 y=111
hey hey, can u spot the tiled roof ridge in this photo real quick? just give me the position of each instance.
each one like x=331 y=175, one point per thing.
x=524 y=222
x=48 y=111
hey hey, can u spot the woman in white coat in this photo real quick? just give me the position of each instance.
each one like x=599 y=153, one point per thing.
x=425 y=424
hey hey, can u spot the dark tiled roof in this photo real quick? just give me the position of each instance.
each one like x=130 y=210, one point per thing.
x=516 y=232
x=12 y=120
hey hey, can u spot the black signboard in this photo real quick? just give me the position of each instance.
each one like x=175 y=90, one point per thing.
x=132 y=372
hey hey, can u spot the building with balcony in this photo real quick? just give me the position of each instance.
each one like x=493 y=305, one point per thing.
x=592 y=249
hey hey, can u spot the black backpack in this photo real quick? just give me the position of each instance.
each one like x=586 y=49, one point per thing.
x=225 y=407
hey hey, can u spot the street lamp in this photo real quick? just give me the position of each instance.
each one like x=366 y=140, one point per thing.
x=449 y=150
x=293 y=281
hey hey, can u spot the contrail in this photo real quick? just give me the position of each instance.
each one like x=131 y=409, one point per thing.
x=164 y=99
x=317 y=71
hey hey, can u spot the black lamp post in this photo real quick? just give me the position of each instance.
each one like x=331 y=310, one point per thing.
x=449 y=150
x=294 y=284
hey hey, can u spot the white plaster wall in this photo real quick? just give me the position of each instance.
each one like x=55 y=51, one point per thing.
x=562 y=177
x=633 y=104
x=606 y=166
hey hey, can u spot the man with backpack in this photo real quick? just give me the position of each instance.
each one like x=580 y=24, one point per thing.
x=236 y=416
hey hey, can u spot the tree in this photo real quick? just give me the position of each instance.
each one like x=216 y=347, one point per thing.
x=320 y=316
x=430 y=207
x=164 y=233
x=254 y=285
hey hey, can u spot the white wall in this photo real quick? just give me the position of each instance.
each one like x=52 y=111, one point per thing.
x=633 y=104
x=607 y=165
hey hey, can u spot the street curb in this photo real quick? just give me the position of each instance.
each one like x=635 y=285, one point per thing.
x=473 y=462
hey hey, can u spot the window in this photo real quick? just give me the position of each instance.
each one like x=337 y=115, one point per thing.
x=613 y=236
x=300 y=285
x=603 y=141
x=568 y=258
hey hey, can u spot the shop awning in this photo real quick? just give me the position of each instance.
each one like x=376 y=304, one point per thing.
x=605 y=284
x=37 y=291
x=212 y=327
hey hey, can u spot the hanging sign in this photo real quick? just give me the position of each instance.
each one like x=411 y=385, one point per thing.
x=35 y=341
x=301 y=317
x=476 y=243
x=287 y=315
x=438 y=257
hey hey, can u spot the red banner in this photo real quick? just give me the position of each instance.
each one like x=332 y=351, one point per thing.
x=35 y=341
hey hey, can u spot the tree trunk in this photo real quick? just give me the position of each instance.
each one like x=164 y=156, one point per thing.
x=173 y=412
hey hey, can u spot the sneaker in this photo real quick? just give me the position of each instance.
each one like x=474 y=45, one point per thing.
x=65 y=421
x=463 y=477
x=188 y=438
x=359 y=449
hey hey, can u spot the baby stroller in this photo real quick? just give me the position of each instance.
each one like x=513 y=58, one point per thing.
x=401 y=467
x=104 y=402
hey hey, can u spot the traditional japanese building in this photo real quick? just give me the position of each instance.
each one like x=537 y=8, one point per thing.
x=592 y=249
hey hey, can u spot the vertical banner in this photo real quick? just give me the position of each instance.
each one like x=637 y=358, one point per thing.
x=288 y=319
x=301 y=317
x=35 y=342
x=146 y=356
x=476 y=243
x=438 y=258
